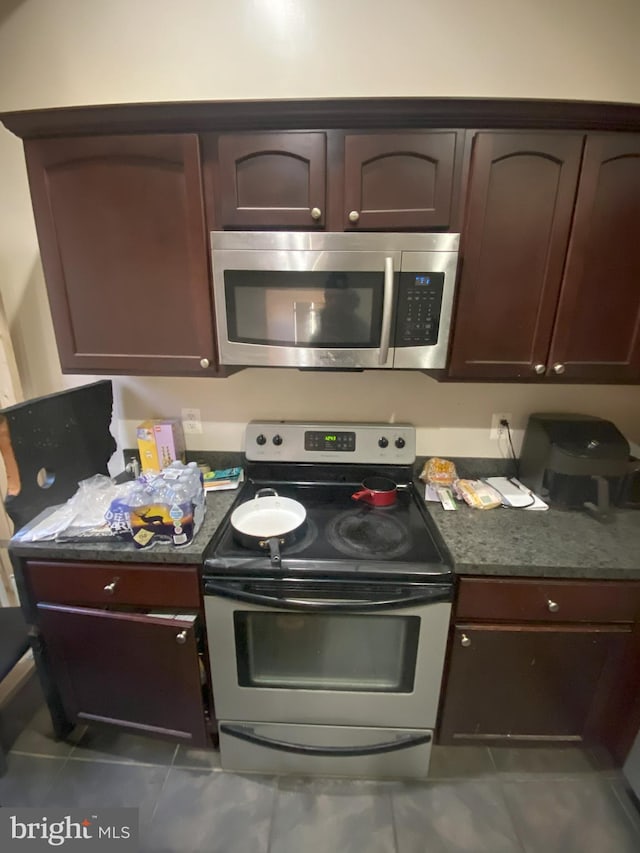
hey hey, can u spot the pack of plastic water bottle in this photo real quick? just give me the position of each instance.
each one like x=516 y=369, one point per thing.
x=166 y=506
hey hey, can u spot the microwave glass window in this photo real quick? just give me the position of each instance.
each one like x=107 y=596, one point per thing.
x=304 y=309
x=359 y=652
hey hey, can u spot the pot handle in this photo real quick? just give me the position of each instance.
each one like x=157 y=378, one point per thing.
x=274 y=551
x=364 y=493
x=266 y=491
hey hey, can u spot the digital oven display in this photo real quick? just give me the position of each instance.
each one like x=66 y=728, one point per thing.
x=345 y=442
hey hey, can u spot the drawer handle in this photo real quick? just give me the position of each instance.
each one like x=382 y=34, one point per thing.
x=181 y=638
x=316 y=213
x=465 y=641
x=553 y=606
x=110 y=588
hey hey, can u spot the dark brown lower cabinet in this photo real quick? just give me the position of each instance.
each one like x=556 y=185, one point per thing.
x=127 y=669
x=509 y=682
x=109 y=650
x=543 y=661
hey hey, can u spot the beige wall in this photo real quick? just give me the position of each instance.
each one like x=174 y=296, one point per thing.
x=79 y=51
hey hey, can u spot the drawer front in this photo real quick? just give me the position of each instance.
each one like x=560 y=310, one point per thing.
x=113 y=583
x=542 y=600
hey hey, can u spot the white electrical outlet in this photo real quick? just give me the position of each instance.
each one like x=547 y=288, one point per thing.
x=191 y=423
x=497 y=431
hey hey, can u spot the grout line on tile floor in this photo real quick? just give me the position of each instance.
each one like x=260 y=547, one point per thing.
x=164 y=782
x=514 y=824
x=274 y=802
x=126 y=762
x=630 y=811
x=62 y=758
x=394 y=825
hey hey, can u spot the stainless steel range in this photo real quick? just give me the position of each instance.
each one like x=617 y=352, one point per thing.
x=327 y=648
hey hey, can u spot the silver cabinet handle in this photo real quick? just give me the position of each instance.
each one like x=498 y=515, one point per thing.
x=204 y=363
x=553 y=606
x=465 y=641
x=558 y=368
x=316 y=213
x=354 y=216
x=387 y=307
x=181 y=638
x=110 y=588
x=539 y=368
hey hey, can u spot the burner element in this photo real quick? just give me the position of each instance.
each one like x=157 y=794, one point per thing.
x=369 y=533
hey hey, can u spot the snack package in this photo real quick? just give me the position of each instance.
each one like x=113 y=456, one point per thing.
x=477 y=494
x=438 y=472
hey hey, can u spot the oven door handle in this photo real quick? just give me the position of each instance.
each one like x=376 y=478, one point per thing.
x=430 y=596
x=248 y=734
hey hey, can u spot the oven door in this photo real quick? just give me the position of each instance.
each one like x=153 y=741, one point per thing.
x=305 y=308
x=337 y=653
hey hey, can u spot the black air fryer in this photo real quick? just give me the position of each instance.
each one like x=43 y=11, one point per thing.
x=574 y=461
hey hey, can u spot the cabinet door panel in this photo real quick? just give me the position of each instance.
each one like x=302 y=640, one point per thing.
x=399 y=180
x=519 y=209
x=121 y=229
x=533 y=683
x=597 y=333
x=272 y=179
x=126 y=669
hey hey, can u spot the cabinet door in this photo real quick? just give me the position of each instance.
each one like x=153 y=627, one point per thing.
x=272 y=180
x=121 y=229
x=126 y=669
x=519 y=208
x=399 y=181
x=597 y=332
x=512 y=682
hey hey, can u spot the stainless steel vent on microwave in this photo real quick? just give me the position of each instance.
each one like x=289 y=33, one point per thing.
x=334 y=300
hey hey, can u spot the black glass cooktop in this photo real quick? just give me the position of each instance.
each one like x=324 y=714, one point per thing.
x=341 y=535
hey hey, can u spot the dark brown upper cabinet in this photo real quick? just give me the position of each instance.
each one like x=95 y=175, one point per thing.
x=597 y=331
x=122 y=236
x=272 y=180
x=550 y=275
x=519 y=209
x=400 y=181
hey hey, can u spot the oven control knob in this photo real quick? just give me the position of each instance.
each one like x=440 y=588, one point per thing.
x=400 y=442
x=277 y=440
x=261 y=439
x=383 y=442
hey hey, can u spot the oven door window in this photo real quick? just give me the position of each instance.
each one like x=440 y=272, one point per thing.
x=339 y=652
x=304 y=308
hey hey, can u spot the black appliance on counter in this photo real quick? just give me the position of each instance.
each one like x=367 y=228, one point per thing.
x=328 y=660
x=575 y=461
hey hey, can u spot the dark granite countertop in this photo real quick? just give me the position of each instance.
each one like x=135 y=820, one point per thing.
x=218 y=504
x=554 y=543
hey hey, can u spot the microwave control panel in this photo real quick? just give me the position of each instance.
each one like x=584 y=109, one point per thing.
x=419 y=307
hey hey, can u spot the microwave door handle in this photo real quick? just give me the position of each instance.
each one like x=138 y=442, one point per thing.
x=387 y=310
x=247 y=733
x=431 y=596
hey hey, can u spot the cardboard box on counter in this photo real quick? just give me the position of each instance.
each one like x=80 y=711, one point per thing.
x=160 y=442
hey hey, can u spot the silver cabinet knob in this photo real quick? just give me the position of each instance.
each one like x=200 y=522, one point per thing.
x=181 y=638
x=539 y=368
x=558 y=368
x=204 y=363
x=354 y=216
x=316 y=213
x=110 y=588
x=553 y=606
x=465 y=641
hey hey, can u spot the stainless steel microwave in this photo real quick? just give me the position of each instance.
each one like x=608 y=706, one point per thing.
x=334 y=300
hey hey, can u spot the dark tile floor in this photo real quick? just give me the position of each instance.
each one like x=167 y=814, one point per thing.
x=477 y=800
